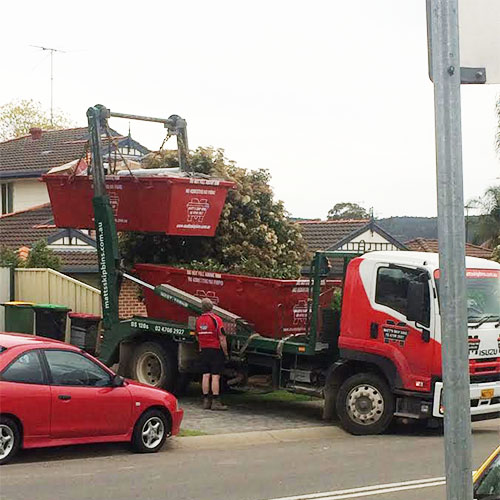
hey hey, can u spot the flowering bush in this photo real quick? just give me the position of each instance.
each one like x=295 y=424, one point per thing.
x=254 y=236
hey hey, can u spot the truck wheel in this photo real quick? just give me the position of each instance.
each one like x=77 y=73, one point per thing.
x=365 y=404
x=154 y=365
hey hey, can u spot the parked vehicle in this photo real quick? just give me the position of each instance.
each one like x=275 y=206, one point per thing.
x=487 y=478
x=380 y=360
x=54 y=394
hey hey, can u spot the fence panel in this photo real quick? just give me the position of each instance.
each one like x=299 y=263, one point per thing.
x=51 y=287
x=4 y=293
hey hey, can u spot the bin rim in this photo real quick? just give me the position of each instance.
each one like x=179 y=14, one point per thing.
x=51 y=307
x=89 y=316
x=18 y=303
x=200 y=181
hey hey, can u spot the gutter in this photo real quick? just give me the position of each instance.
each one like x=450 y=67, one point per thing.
x=13 y=174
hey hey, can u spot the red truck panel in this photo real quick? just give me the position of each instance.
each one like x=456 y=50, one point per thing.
x=277 y=308
x=173 y=205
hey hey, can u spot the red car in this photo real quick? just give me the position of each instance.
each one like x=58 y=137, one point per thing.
x=54 y=394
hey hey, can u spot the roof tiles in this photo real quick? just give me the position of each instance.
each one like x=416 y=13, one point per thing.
x=321 y=235
x=26 y=227
x=428 y=245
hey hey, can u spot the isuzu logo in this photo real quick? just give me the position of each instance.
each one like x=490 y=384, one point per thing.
x=488 y=352
x=474 y=344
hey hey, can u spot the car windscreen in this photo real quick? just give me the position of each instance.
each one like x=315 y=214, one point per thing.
x=483 y=294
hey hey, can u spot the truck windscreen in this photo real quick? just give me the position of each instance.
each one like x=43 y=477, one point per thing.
x=483 y=294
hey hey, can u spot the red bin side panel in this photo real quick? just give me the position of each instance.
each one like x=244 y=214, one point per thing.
x=171 y=205
x=276 y=308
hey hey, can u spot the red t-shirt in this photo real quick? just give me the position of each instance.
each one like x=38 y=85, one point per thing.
x=208 y=329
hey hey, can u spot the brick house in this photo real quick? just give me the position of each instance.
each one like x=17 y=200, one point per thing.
x=25 y=213
x=345 y=234
x=24 y=159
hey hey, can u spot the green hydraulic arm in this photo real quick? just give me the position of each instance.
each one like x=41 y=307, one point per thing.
x=106 y=235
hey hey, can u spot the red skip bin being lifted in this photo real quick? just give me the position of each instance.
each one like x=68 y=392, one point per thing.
x=171 y=204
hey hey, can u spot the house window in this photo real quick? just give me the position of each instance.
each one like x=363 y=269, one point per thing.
x=7 y=198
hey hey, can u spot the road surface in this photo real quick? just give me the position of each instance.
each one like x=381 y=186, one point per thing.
x=330 y=465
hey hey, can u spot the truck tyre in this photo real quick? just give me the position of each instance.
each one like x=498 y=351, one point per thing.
x=10 y=439
x=365 y=404
x=154 y=365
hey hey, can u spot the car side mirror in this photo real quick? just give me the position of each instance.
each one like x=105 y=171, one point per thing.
x=118 y=381
x=415 y=298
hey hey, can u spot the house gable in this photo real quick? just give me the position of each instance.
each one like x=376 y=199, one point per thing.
x=369 y=238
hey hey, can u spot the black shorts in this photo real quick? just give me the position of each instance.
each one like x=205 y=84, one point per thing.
x=212 y=361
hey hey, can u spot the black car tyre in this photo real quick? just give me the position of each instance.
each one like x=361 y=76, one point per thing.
x=10 y=439
x=365 y=404
x=150 y=431
x=154 y=364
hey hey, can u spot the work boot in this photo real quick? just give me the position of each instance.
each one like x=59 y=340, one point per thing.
x=217 y=405
x=207 y=402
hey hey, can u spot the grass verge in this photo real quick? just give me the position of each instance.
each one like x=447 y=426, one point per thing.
x=191 y=432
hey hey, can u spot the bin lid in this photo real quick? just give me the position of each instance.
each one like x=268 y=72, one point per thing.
x=52 y=307
x=18 y=303
x=91 y=317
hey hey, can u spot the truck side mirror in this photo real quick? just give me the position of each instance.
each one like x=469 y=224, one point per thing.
x=415 y=302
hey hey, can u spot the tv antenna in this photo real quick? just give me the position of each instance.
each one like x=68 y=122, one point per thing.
x=51 y=50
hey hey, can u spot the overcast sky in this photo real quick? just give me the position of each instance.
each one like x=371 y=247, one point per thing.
x=331 y=96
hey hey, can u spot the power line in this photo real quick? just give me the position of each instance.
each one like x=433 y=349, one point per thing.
x=51 y=50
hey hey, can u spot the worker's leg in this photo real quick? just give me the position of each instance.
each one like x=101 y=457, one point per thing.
x=205 y=387
x=215 y=385
x=217 y=369
x=205 y=384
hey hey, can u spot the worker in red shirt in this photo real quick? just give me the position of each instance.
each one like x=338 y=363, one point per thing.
x=213 y=351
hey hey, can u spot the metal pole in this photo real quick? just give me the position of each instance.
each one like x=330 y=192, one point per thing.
x=51 y=86
x=451 y=231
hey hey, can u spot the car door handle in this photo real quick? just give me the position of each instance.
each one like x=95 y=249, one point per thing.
x=64 y=397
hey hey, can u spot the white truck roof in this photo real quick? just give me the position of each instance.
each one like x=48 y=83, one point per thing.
x=427 y=259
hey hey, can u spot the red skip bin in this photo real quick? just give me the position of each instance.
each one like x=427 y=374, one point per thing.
x=183 y=206
x=276 y=308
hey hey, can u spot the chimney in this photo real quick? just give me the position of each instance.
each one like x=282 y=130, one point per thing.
x=23 y=253
x=36 y=133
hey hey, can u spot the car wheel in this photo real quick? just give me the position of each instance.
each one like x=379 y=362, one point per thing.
x=150 y=432
x=154 y=365
x=365 y=404
x=10 y=439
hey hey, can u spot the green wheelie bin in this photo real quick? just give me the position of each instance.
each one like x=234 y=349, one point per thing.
x=19 y=316
x=50 y=320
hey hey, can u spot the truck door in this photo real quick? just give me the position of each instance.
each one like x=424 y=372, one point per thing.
x=408 y=343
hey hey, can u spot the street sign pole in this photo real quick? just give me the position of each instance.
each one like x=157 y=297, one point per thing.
x=451 y=231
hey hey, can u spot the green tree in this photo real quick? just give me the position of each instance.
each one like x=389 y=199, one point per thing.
x=8 y=258
x=254 y=236
x=347 y=211
x=488 y=231
x=17 y=117
x=42 y=256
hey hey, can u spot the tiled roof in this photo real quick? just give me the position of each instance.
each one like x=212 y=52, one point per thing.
x=320 y=235
x=55 y=147
x=30 y=157
x=78 y=259
x=427 y=245
x=25 y=227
